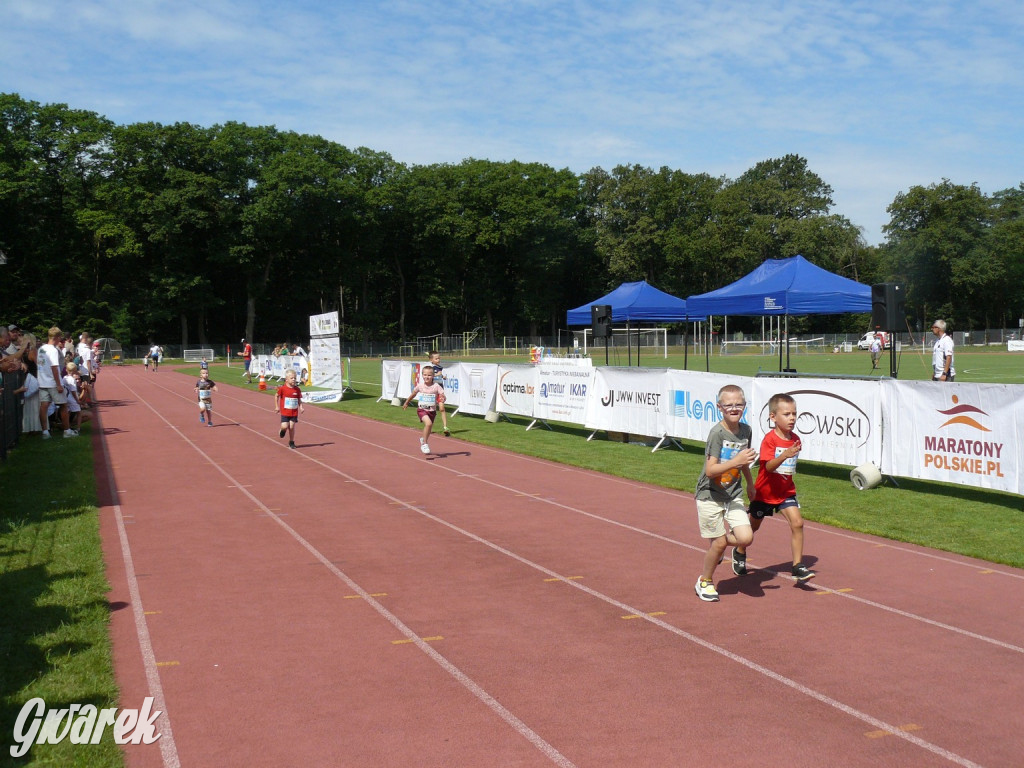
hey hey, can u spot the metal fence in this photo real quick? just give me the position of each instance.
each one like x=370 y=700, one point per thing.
x=476 y=343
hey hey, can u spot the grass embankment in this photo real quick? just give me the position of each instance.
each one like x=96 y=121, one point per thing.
x=54 y=639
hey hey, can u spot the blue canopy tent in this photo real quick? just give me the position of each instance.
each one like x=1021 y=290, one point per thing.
x=638 y=302
x=785 y=287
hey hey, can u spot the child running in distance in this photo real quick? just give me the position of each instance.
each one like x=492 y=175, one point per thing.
x=775 y=490
x=205 y=388
x=434 y=361
x=727 y=455
x=289 y=403
x=430 y=396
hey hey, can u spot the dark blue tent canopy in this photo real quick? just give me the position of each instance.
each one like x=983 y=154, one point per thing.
x=792 y=286
x=636 y=302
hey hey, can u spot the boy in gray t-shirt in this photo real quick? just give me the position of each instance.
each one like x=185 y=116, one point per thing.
x=727 y=454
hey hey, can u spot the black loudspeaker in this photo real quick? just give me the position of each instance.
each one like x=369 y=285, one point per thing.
x=601 y=320
x=888 y=307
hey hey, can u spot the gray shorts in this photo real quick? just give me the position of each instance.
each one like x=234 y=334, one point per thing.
x=52 y=395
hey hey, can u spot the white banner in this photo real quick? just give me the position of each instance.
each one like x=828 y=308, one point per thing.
x=691 y=402
x=562 y=391
x=391 y=378
x=839 y=421
x=474 y=384
x=1015 y=345
x=325 y=362
x=955 y=432
x=274 y=366
x=630 y=400
x=517 y=385
x=326 y=324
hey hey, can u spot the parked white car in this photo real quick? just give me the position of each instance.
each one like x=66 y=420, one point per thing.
x=867 y=338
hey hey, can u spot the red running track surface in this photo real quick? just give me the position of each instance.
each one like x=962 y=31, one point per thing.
x=354 y=603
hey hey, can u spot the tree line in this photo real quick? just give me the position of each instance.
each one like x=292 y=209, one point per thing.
x=200 y=234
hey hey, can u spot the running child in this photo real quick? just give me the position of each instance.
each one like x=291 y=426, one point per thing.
x=774 y=490
x=205 y=388
x=153 y=357
x=434 y=361
x=288 y=404
x=727 y=455
x=430 y=396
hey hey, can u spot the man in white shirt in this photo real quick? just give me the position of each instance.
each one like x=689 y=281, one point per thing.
x=942 y=354
x=51 y=384
x=85 y=353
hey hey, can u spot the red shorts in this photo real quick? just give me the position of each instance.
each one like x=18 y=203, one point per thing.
x=420 y=413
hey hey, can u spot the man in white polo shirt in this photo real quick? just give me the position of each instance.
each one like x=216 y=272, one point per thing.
x=51 y=384
x=942 y=353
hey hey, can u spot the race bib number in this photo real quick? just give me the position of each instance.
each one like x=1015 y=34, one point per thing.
x=205 y=394
x=428 y=400
x=291 y=403
x=788 y=466
x=728 y=452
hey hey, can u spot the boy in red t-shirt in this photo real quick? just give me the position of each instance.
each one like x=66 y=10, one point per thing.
x=431 y=395
x=774 y=489
x=288 y=403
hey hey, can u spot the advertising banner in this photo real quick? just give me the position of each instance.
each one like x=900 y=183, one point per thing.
x=691 y=402
x=326 y=324
x=325 y=362
x=630 y=400
x=839 y=421
x=955 y=432
x=475 y=385
x=562 y=390
x=390 y=377
x=517 y=386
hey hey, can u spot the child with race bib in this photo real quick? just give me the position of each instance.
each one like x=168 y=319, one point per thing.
x=205 y=387
x=289 y=403
x=429 y=395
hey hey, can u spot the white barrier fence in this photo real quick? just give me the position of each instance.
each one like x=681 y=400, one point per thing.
x=969 y=434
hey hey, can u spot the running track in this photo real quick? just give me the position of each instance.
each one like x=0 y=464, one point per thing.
x=354 y=603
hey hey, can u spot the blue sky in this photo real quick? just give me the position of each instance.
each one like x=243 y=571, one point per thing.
x=878 y=96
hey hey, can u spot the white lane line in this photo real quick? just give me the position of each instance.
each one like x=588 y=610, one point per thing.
x=168 y=749
x=473 y=687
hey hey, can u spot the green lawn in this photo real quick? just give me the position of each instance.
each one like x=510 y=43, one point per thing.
x=54 y=639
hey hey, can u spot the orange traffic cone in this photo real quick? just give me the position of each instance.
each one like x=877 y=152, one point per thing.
x=263 y=381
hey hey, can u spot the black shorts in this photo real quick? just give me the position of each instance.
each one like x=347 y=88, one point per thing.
x=761 y=509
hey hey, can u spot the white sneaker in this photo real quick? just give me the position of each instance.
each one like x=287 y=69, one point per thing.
x=70 y=433
x=706 y=590
x=424 y=448
x=46 y=434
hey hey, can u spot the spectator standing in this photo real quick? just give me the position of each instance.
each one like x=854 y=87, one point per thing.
x=51 y=385
x=85 y=355
x=246 y=355
x=942 y=353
